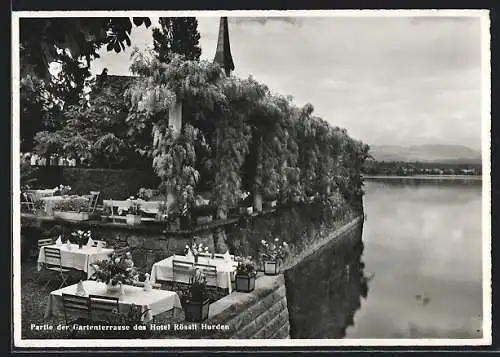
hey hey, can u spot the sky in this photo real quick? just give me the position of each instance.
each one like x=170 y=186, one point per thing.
x=387 y=80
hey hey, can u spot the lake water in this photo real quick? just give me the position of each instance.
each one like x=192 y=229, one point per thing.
x=423 y=242
x=421 y=253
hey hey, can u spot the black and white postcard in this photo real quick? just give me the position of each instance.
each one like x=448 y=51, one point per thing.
x=278 y=178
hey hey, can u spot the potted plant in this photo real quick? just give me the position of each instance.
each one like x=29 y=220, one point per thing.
x=71 y=209
x=134 y=214
x=106 y=213
x=245 y=275
x=246 y=204
x=273 y=255
x=196 y=303
x=115 y=272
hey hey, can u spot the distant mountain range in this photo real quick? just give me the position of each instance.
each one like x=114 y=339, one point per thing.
x=426 y=153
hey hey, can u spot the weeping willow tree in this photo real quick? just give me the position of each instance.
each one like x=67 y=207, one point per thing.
x=238 y=134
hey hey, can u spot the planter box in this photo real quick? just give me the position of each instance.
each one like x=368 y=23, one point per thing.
x=246 y=210
x=196 y=311
x=71 y=216
x=245 y=283
x=133 y=220
x=271 y=268
x=204 y=219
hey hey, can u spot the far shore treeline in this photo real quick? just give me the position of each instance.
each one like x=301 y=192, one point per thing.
x=402 y=168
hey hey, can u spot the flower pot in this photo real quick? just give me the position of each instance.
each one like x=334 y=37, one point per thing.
x=196 y=311
x=113 y=289
x=271 y=267
x=71 y=215
x=245 y=283
x=133 y=219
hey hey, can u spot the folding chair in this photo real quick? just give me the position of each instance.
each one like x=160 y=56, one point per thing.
x=103 y=243
x=28 y=202
x=40 y=243
x=93 y=201
x=210 y=272
x=76 y=305
x=44 y=242
x=120 y=252
x=103 y=307
x=181 y=271
x=53 y=264
x=221 y=256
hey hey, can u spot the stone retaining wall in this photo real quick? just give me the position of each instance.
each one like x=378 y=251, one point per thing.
x=260 y=314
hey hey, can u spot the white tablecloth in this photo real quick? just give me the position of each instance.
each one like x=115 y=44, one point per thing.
x=146 y=206
x=163 y=270
x=80 y=259
x=39 y=194
x=52 y=200
x=157 y=301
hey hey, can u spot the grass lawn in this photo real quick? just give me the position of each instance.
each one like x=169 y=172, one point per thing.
x=34 y=299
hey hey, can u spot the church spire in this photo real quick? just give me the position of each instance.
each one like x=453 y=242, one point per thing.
x=223 y=52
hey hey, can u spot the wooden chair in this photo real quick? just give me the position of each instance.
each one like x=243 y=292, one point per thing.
x=75 y=305
x=44 y=242
x=140 y=284
x=53 y=264
x=120 y=252
x=210 y=272
x=181 y=271
x=103 y=243
x=102 y=308
x=221 y=256
x=28 y=202
x=94 y=197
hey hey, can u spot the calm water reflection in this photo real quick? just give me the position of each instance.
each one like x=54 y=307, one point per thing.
x=423 y=242
x=422 y=249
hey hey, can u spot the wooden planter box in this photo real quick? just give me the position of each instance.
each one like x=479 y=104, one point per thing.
x=196 y=311
x=133 y=220
x=203 y=219
x=245 y=283
x=271 y=267
x=71 y=215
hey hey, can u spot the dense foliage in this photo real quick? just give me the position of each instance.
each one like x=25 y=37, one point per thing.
x=177 y=35
x=71 y=43
x=249 y=139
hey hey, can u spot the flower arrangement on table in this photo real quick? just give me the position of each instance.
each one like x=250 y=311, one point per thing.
x=115 y=271
x=82 y=237
x=62 y=190
x=273 y=254
x=196 y=249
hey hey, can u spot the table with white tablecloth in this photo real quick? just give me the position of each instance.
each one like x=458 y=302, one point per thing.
x=152 y=303
x=122 y=206
x=39 y=194
x=76 y=258
x=163 y=270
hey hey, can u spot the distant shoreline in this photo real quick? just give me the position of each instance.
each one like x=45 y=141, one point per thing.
x=427 y=177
